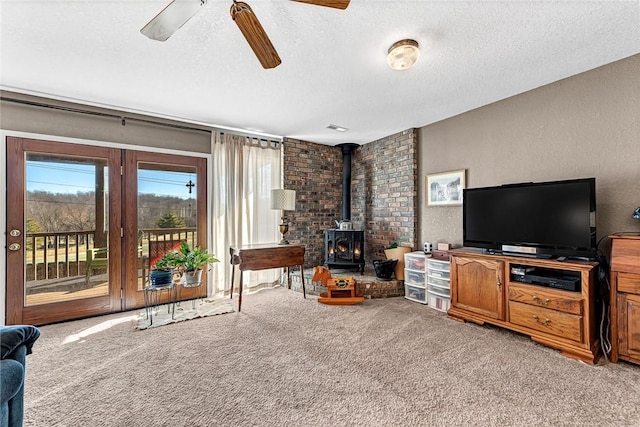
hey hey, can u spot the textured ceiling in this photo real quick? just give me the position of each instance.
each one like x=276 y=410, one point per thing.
x=333 y=69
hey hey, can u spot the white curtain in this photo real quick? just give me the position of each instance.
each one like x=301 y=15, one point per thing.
x=244 y=171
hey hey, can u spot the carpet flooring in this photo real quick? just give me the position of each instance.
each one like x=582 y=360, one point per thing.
x=289 y=361
x=187 y=310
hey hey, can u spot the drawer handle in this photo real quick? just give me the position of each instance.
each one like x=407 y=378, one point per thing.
x=537 y=299
x=545 y=323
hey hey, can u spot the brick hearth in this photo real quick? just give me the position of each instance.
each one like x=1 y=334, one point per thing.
x=367 y=284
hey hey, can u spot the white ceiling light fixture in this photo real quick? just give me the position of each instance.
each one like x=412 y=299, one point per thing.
x=338 y=128
x=403 y=54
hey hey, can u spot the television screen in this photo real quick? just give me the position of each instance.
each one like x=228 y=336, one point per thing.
x=546 y=219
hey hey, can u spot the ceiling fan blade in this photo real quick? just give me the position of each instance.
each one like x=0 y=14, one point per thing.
x=337 y=4
x=257 y=38
x=171 y=18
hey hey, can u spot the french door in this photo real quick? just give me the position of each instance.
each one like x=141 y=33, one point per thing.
x=164 y=205
x=79 y=232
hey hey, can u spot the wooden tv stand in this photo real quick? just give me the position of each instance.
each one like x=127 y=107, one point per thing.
x=485 y=289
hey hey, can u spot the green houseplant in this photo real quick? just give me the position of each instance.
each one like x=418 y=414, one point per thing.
x=192 y=262
x=163 y=269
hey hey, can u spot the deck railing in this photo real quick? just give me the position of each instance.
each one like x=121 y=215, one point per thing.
x=64 y=254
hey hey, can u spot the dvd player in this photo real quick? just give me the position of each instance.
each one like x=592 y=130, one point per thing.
x=566 y=283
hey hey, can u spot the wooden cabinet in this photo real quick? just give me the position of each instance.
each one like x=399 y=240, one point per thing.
x=493 y=289
x=625 y=298
x=479 y=286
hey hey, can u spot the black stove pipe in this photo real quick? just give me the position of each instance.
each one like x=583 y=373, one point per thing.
x=347 y=150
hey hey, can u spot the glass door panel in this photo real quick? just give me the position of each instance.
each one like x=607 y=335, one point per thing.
x=66 y=239
x=166 y=200
x=167 y=212
x=62 y=261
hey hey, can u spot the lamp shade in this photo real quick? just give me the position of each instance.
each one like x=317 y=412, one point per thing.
x=284 y=200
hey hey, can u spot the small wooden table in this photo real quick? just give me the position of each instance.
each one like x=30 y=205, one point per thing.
x=264 y=256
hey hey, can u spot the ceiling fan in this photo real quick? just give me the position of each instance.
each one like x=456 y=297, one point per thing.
x=178 y=12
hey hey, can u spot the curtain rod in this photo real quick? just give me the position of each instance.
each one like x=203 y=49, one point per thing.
x=122 y=117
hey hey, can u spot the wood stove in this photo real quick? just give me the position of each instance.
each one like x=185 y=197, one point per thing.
x=344 y=249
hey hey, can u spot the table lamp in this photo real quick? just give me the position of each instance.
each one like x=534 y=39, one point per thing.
x=636 y=213
x=283 y=200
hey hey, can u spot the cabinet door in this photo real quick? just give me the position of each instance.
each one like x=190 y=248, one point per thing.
x=629 y=325
x=477 y=285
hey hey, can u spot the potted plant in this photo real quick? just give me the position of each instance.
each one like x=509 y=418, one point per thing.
x=192 y=262
x=394 y=251
x=163 y=269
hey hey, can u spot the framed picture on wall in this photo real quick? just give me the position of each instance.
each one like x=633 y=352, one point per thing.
x=445 y=189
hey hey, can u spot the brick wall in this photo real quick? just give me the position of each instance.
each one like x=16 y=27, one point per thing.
x=383 y=193
x=315 y=172
x=384 y=189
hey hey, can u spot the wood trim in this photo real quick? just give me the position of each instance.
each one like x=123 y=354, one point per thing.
x=14 y=297
x=613 y=316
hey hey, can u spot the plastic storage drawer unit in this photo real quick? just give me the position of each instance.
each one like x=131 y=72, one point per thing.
x=438 y=288
x=414 y=262
x=415 y=293
x=439 y=291
x=440 y=268
x=443 y=283
x=414 y=277
x=439 y=303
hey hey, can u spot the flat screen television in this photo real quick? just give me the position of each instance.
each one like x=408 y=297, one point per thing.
x=546 y=219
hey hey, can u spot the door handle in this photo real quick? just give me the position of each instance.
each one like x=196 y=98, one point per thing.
x=14 y=247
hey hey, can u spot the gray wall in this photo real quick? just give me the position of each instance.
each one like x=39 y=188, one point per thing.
x=584 y=126
x=39 y=120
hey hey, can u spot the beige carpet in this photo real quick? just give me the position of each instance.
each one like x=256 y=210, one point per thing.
x=287 y=361
x=186 y=310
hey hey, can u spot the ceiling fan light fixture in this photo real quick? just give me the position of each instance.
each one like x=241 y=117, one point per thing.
x=403 y=54
x=255 y=35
